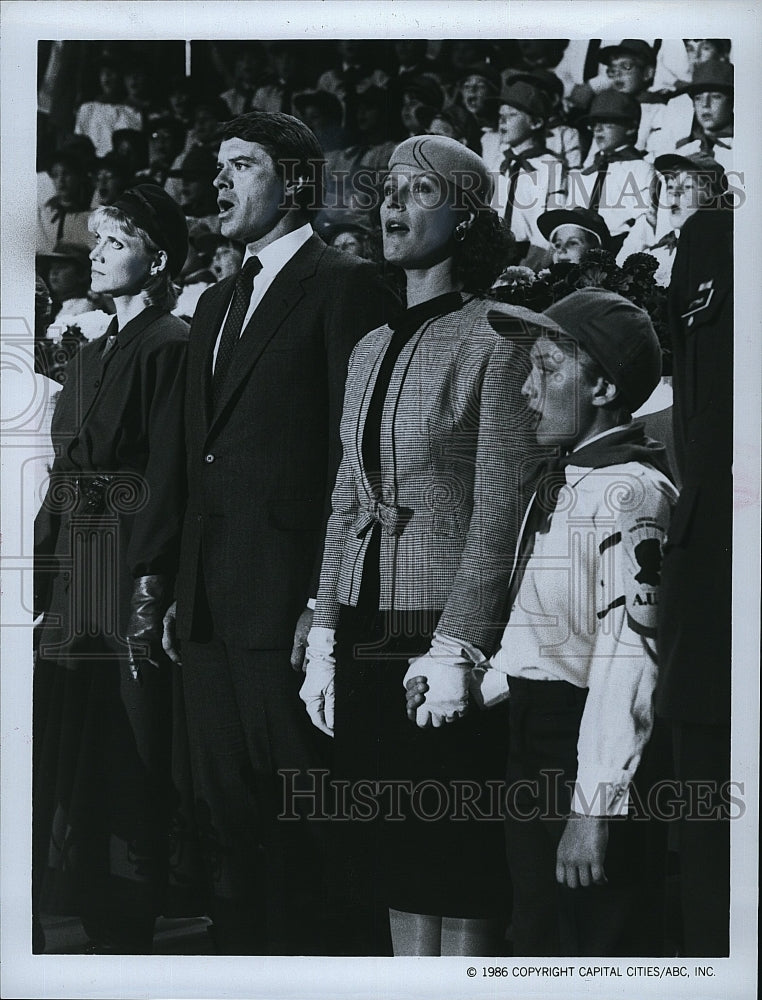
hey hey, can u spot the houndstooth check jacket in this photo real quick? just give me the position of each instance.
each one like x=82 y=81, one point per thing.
x=456 y=443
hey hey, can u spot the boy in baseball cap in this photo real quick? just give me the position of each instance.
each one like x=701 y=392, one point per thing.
x=577 y=658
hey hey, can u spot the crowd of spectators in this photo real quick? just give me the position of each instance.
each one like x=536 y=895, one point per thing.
x=638 y=133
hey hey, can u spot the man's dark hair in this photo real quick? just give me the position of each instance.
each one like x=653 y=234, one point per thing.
x=291 y=145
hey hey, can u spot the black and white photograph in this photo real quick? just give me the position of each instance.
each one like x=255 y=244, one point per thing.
x=380 y=568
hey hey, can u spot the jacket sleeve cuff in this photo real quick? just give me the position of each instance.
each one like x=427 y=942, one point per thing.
x=461 y=648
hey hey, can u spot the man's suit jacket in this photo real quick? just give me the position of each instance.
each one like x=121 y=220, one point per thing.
x=457 y=448
x=261 y=468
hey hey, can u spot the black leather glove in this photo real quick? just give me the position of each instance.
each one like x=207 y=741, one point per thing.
x=150 y=599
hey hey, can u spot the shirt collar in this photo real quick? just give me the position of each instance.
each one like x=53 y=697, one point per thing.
x=277 y=254
x=595 y=437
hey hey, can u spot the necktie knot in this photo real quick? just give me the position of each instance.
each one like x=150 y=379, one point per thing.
x=601 y=160
x=247 y=274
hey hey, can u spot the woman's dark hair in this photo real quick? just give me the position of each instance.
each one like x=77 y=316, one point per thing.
x=481 y=256
x=292 y=146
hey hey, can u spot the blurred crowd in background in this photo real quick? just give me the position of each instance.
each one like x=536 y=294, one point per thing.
x=599 y=149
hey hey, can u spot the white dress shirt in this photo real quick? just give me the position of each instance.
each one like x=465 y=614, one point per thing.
x=273 y=259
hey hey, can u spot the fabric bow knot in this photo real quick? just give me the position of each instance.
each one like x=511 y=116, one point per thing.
x=391 y=518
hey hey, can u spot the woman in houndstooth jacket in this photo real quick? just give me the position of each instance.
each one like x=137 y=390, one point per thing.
x=419 y=546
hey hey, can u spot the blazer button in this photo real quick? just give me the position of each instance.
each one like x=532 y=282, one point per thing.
x=208 y=459
x=97 y=383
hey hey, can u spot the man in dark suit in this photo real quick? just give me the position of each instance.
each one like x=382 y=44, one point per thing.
x=266 y=369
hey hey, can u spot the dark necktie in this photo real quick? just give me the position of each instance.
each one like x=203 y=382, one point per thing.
x=626 y=444
x=514 y=166
x=669 y=240
x=231 y=332
x=550 y=479
x=602 y=165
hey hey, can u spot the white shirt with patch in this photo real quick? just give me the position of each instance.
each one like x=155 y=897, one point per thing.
x=585 y=613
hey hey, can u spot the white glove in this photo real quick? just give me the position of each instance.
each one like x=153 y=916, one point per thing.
x=447 y=668
x=317 y=691
x=488 y=686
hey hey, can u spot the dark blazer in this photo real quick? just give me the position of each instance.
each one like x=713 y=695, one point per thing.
x=119 y=417
x=260 y=470
x=695 y=596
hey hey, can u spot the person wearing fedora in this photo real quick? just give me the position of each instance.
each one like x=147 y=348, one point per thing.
x=679 y=119
x=198 y=194
x=562 y=139
x=267 y=362
x=66 y=271
x=617 y=183
x=630 y=68
x=531 y=180
x=106 y=547
x=63 y=218
x=712 y=90
x=577 y=661
x=571 y=232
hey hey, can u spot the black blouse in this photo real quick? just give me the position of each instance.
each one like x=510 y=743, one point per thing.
x=403 y=329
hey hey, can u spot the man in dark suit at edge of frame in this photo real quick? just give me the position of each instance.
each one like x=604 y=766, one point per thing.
x=266 y=369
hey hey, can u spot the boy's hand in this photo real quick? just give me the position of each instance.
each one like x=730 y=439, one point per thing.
x=416 y=689
x=581 y=852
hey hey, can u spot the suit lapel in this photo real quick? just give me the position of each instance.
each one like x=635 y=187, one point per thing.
x=208 y=330
x=281 y=298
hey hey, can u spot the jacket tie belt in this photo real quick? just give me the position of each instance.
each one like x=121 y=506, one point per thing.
x=374 y=511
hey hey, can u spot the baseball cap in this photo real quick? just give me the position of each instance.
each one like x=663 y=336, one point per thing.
x=618 y=335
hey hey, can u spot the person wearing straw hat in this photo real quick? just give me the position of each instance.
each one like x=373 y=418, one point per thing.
x=106 y=551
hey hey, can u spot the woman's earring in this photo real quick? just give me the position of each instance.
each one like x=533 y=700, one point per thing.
x=460 y=231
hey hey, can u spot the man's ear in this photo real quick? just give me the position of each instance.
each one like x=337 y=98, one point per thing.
x=648 y=74
x=293 y=187
x=604 y=392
